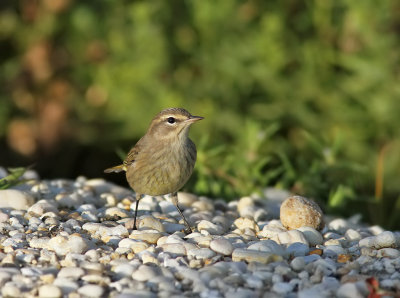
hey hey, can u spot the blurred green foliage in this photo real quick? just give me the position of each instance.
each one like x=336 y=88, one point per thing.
x=296 y=94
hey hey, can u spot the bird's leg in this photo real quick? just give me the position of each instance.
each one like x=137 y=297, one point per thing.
x=138 y=196
x=174 y=196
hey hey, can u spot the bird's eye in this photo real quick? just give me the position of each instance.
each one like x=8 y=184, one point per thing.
x=171 y=120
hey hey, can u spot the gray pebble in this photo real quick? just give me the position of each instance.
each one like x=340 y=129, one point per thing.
x=297 y=249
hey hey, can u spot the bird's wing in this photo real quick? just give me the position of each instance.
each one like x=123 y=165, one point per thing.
x=129 y=160
x=133 y=153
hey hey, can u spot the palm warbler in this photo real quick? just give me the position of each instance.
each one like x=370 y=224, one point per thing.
x=162 y=161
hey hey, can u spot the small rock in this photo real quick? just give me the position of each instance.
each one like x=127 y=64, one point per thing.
x=171 y=228
x=240 y=254
x=150 y=222
x=145 y=272
x=186 y=199
x=116 y=212
x=72 y=244
x=352 y=235
x=246 y=207
x=298 y=263
x=71 y=200
x=242 y=223
x=349 y=290
x=297 y=249
x=201 y=253
x=385 y=239
x=282 y=288
x=268 y=246
x=91 y=290
x=334 y=250
x=177 y=249
x=49 y=291
x=10 y=290
x=73 y=273
x=149 y=236
x=15 y=199
x=136 y=245
x=290 y=237
x=298 y=212
x=388 y=253
x=312 y=235
x=41 y=207
x=221 y=246
x=212 y=228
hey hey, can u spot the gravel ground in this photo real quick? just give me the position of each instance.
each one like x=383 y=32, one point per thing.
x=71 y=238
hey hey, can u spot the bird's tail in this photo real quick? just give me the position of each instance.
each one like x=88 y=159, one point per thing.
x=115 y=169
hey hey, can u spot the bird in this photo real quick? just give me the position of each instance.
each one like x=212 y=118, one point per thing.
x=162 y=160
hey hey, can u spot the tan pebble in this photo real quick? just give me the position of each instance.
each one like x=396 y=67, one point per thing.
x=147 y=258
x=115 y=256
x=203 y=205
x=343 y=258
x=196 y=264
x=243 y=223
x=162 y=240
x=298 y=212
x=316 y=252
x=186 y=199
x=151 y=237
x=47 y=278
x=150 y=222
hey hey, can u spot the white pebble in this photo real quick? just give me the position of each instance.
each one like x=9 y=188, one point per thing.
x=145 y=272
x=15 y=199
x=49 y=291
x=201 y=253
x=91 y=290
x=73 y=273
x=290 y=237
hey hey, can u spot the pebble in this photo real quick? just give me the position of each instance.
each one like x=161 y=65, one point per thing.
x=63 y=245
x=150 y=222
x=201 y=253
x=145 y=272
x=298 y=212
x=73 y=273
x=210 y=227
x=312 y=236
x=290 y=237
x=177 y=249
x=221 y=246
x=149 y=236
x=91 y=290
x=15 y=199
x=384 y=239
x=249 y=255
x=49 y=291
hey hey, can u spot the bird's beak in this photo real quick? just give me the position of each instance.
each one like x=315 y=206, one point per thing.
x=193 y=119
